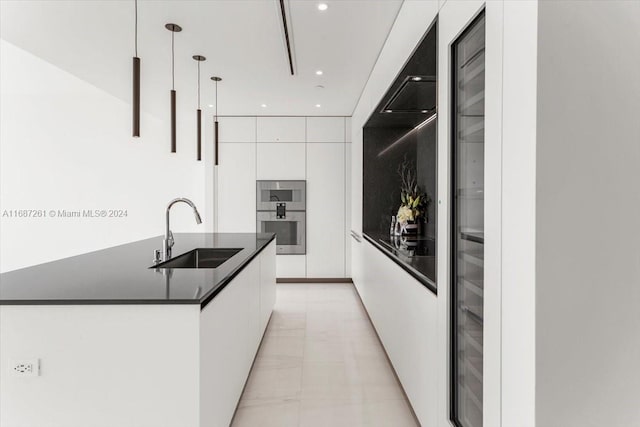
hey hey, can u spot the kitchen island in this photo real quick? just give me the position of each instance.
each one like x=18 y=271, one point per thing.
x=114 y=341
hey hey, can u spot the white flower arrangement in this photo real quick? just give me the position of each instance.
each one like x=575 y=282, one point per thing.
x=405 y=214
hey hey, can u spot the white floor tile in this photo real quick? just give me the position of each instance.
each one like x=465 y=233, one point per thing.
x=321 y=364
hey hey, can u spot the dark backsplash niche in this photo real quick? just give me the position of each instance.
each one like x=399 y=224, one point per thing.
x=385 y=149
x=403 y=127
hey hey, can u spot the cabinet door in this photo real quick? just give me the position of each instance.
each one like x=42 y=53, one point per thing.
x=281 y=160
x=236 y=185
x=291 y=266
x=281 y=129
x=267 y=285
x=237 y=129
x=325 y=129
x=325 y=210
x=347 y=198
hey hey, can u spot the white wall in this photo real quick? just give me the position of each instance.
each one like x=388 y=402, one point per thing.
x=66 y=144
x=588 y=206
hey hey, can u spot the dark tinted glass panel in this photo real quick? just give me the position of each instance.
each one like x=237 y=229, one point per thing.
x=286 y=231
x=468 y=226
x=277 y=195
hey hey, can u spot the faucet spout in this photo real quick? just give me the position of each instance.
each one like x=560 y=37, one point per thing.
x=168 y=241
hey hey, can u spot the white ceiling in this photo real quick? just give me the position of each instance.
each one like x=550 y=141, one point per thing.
x=242 y=40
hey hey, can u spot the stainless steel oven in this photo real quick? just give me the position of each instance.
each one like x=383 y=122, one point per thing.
x=281 y=209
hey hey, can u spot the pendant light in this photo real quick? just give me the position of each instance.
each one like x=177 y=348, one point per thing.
x=136 y=79
x=215 y=121
x=174 y=28
x=199 y=58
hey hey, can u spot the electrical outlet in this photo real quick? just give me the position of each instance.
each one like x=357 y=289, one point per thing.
x=25 y=367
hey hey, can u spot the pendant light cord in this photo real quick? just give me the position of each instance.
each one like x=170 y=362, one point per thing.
x=216 y=100
x=173 y=71
x=198 y=85
x=136 y=27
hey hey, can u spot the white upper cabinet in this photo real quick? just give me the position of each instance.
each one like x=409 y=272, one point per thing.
x=237 y=129
x=281 y=129
x=325 y=129
x=326 y=213
x=281 y=161
x=347 y=134
x=236 y=188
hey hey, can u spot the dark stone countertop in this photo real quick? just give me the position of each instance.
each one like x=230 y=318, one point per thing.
x=121 y=274
x=416 y=256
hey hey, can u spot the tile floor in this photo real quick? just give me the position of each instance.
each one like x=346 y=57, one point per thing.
x=321 y=364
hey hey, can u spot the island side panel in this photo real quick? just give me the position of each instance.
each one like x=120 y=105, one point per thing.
x=267 y=285
x=231 y=328
x=101 y=365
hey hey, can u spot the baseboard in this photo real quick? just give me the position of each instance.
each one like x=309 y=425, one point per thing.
x=313 y=280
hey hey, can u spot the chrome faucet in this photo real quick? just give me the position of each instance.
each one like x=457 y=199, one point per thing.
x=168 y=241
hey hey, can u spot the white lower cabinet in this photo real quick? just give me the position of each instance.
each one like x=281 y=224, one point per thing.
x=291 y=266
x=326 y=214
x=356 y=266
x=404 y=313
x=267 y=284
x=231 y=327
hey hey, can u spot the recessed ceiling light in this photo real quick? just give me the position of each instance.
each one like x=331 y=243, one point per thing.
x=319 y=73
x=263 y=105
x=322 y=6
x=319 y=87
x=318 y=105
x=210 y=105
x=416 y=79
x=388 y=111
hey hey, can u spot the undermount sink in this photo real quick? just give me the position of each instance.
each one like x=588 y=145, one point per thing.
x=200 y=258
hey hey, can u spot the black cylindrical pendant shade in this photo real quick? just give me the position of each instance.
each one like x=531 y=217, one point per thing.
x=173 y=121
x=199 y=133
x=215 y=133
x=136 y=96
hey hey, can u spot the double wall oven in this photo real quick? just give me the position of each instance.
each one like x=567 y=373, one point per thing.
x=281 y=209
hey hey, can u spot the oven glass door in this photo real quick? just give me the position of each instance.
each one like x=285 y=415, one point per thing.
x=290 y=231
x=292 y=193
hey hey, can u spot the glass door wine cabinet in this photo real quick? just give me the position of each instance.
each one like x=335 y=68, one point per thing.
x=468 y=65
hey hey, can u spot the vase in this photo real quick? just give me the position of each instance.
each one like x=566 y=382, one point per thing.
x=410 y=228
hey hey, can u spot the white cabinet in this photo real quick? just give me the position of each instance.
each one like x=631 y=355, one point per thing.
x=237 y=129
x=231 y=327
x=325 y=129
x=291 y=148
x=291 y=266
x=281 y=129
x=347 y=207
x=356 y=175
x=326 y=213
x=267 y=284
x=405 y=315
x=281 y=160
x=347 y=130
x=236 y=188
